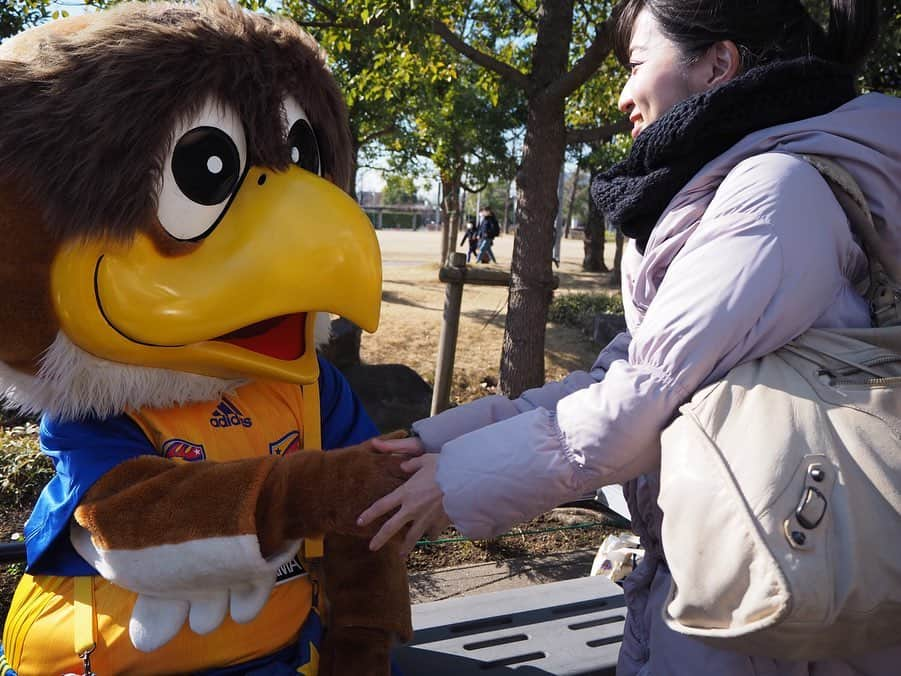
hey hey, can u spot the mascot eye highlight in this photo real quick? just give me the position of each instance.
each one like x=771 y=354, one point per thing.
x=202 y=171
x=206 y=165
x=302 y=142
x=304 y=149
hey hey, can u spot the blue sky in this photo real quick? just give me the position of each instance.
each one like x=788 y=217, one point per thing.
x=71 y=6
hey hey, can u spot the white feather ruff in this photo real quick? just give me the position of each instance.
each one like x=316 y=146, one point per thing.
x=73 y=384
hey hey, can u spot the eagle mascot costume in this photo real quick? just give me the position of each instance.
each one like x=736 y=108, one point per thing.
x=172 y=223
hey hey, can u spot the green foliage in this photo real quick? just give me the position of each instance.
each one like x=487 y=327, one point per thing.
x=371 y=48
x=15 y=570
x=23 y=468
x=605 y=155
x=399 y=189
x=882 y=71
x=573 y=309
x=16 y=15
x=396 y=221
x=594 y=104
x=495 y=194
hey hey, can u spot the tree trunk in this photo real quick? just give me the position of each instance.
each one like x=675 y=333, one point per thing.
x=450 y=213
x=593 y=260
x=616 y=274
x=522 y=361
x=572 y=196
x=354 y=168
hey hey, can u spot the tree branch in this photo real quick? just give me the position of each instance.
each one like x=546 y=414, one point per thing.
x=506 y=71
x=473 y=189
x=369 y=138
x=518 y=5
x=327 y=24
x=325 y=9
x=595 y=134
x=585 y=67
x=337 y=19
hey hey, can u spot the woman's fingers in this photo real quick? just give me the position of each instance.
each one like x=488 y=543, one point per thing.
x=414 y=464
x=389 y=529
x=381 y=507
x=416 y=502
x=413 y=536
x=438 y=525
x=407 y=446
x=431 y=524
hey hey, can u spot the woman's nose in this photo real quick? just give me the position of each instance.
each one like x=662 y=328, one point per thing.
x=626 y=103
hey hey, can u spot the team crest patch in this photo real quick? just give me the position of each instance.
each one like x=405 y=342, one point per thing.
x=290 y=443
x=183 y=450
x=229 y=415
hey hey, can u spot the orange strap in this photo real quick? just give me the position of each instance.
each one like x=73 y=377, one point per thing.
x=85 y=632
x=312 y=439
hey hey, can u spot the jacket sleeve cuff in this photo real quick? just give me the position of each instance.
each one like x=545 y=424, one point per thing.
x=505 y=474
x=453 y=423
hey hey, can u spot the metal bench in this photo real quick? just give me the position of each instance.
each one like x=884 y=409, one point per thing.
x=573 y=627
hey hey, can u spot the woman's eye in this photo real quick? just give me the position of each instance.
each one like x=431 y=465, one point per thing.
x=303 y=146
x=206 y=165
x=633 y=66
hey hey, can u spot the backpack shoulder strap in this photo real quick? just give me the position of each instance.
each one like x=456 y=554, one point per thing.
x=884 y=288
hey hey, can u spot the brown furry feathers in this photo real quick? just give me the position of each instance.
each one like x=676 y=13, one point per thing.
x=86 y=117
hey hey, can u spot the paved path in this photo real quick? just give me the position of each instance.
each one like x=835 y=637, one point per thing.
x=479 y=578
x=424 y=246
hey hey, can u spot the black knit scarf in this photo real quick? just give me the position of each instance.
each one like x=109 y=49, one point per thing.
x=667 y=153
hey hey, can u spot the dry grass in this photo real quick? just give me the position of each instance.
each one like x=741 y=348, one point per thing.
x=413 y=304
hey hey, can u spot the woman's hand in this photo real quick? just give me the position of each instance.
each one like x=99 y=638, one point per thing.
x=405 y=445
x=418 y=501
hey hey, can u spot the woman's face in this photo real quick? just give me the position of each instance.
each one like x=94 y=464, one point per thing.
x=659 y=78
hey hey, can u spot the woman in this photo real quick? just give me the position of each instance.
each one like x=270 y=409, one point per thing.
x=739 y=246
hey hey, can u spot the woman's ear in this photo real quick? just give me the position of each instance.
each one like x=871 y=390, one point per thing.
x=719 y=64
x=724 y=63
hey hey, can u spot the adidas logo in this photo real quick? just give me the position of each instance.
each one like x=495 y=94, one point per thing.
x=229 y=415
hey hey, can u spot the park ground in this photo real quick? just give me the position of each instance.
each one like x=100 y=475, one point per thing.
x=412 y=311
x=413 y=305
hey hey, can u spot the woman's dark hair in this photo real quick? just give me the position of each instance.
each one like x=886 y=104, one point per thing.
x=763 y=30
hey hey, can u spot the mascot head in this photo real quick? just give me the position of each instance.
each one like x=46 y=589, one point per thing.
x=172 y=214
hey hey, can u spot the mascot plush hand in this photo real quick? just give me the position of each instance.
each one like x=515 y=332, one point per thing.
x=171 y=223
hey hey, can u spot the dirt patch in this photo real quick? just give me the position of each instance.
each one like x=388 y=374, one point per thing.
x=555 y=532
x=413 y=306
x=12 y=520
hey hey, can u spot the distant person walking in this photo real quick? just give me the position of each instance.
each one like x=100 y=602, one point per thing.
x=488 y=230
x=472 y=236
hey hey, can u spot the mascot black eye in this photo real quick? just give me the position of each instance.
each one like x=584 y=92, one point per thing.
x=206 y=165
x=303 y=146
x=201 y=171
x=302 y=143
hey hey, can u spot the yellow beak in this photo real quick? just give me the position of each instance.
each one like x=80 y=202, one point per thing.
x=292 y=243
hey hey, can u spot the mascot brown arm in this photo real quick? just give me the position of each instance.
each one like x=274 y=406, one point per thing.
x=261 y=500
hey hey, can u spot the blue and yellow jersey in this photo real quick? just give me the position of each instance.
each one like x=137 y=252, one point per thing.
x=258 y=419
